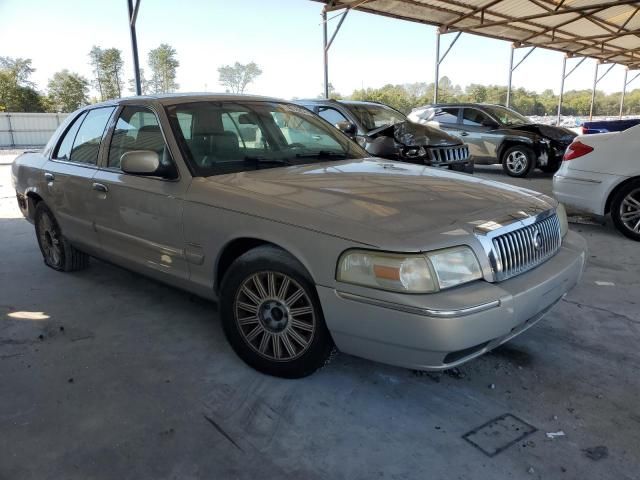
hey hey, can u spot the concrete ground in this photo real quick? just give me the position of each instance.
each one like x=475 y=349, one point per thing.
x=105 y=374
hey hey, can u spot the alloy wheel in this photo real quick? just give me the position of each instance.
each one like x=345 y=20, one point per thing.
x=517 y=162
x=275 y=316
x=630 y=211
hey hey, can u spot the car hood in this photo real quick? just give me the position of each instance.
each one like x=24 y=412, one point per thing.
x=559 y=134
x=393 y=206
x=413 y=134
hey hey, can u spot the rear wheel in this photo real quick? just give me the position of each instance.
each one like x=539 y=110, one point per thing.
x=518 y=161
x=56 y=250
x=271 y=314
x=625 y=210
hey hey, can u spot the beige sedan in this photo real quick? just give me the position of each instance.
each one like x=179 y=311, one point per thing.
x=305 y=242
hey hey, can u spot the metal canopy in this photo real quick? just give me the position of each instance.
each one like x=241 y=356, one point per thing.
x=608 y=30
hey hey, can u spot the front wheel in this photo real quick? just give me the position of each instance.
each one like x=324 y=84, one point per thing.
x=518 y=161
x=625 y=210
x=551 y=167
x=272 y=316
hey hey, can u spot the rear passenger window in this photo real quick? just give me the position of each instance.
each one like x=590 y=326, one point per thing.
x=87 y=142
x=473 y=117
x=64 y=148
x=137 y=129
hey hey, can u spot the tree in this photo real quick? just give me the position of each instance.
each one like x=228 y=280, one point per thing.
x=107 y=69
x=20 y=68
x=68 y=91
x=145 y=87
x=17 y=92
x=163 y=64
x=236 y=77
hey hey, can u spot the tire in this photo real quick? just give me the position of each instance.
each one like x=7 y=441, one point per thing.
x=551 y=167
x=518 y=161
x=256 y=305
x=56 y=250
x=625 y=210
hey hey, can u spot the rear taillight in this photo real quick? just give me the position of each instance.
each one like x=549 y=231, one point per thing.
x=585 y=130
x=577 y=149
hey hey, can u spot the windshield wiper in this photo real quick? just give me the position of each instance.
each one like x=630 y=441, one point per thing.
x=323 y=154
x=259 y=159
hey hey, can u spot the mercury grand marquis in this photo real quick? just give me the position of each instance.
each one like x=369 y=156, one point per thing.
x=304 y=241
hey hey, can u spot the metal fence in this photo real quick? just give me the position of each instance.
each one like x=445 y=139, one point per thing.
x=28 y=129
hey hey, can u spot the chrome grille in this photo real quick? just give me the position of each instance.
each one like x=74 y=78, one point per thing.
x=520 y=250
x=448 y=154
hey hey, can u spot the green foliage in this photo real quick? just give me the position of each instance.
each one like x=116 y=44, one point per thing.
x=107 y=69
x=163 y=64
x=16 y=90
x=67 y=91
x=236 y=77
x=527 y=102
x=145 y=85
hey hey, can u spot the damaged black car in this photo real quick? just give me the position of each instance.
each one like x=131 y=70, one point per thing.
x=496 y=134
x=387 y=133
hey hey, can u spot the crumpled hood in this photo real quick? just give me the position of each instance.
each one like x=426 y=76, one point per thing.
x=413 y=135
x=394 y=206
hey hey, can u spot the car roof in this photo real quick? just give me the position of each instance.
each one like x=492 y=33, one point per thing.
x=468 y=104
x=343 y=102
x=176 y=98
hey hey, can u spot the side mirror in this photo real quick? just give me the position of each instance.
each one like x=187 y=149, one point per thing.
x=347 y=128
x=140 y=162
x=489 y=123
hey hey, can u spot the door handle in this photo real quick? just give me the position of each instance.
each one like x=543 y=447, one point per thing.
x=464 y=134
x=99 y=187
x=49 y=177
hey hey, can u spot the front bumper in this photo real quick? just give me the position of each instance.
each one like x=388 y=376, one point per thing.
x=424 y=337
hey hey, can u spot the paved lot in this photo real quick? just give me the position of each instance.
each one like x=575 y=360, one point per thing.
x=104 y=374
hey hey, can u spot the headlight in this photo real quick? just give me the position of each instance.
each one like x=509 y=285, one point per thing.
x=454 y=266
x=398 y=273
x=562 y=218
x=409 y=273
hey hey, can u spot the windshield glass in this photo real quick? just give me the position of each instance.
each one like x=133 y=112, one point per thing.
x=229 y=137
x=506 y=116
x=376 y=116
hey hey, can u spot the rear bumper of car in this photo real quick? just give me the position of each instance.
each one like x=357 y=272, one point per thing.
x=582 y=190
x=422 y=337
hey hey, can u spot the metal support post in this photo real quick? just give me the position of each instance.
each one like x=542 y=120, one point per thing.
x=13 y=140
x=595 y=83
x=624 y=88
x=439 y=60
x=512 y=68
x=133 y=15
x=564 y=77
x=326 y=44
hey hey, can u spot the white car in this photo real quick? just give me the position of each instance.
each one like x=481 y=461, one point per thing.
x=600 y=174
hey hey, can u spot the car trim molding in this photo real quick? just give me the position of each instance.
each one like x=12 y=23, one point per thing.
x=427 y=312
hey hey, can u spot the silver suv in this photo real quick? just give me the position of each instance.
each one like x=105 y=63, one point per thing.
x=496 y=134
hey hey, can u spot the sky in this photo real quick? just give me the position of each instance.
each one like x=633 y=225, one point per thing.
x=284 y=37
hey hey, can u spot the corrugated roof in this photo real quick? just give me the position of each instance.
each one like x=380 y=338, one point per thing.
x=608 y=30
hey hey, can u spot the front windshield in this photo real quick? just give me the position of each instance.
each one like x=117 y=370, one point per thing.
x=506 y=116
x=229 y=137
x=376 y=116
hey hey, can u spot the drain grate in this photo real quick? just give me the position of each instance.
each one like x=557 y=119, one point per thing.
x=498 y=434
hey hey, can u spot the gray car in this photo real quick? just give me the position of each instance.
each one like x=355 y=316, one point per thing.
x=303 y=240
x=496 y=134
